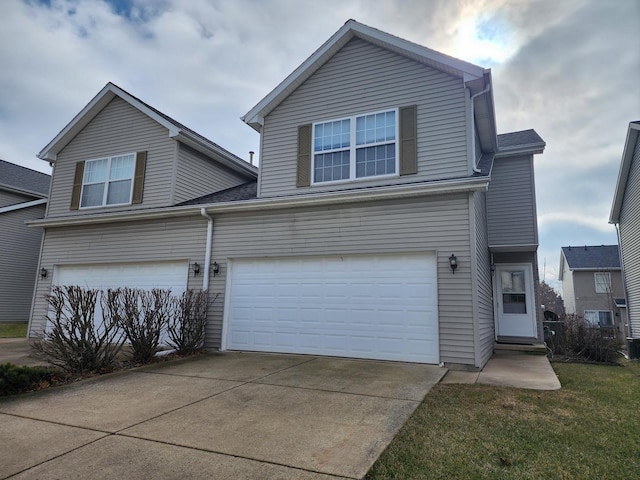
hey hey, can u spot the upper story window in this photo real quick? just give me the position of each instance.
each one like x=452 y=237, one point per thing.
x=108 y=181
x=603 y=282
x=356 y=147
x=117 y=180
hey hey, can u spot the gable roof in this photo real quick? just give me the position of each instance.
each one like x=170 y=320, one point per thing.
x=603 y=257
x=176 y=130
x=24 y=180
x=625 y=167
x=477 y=78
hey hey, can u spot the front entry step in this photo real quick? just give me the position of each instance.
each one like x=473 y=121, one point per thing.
x=511 y=348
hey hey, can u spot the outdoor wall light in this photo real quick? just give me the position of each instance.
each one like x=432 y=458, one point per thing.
x=216 y=268
x=453 y=263
x=196 y=269
x=43 y=272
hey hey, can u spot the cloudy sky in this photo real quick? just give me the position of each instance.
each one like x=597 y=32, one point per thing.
x=567 y=68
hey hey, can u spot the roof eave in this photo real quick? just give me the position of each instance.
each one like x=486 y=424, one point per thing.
x=623 y=173
x=529 y=149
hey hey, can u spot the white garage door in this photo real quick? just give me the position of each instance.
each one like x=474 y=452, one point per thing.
x=146 y=276
x=379 y=307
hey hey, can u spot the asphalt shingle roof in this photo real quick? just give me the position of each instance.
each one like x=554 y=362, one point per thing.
x=590 y=256
x=519 y=139
x=22 y=178
x=246 y=191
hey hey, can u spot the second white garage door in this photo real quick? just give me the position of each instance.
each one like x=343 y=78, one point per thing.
x=380 y=307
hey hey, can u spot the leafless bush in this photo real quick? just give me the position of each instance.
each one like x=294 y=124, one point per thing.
x=581 y=340
x=143 y=316
x=186 y=327
x=72 y=340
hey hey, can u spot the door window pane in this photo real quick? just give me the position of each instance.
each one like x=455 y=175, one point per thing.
x=514 y=297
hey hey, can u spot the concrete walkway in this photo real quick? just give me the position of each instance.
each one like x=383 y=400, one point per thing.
x=230 y=415
x=517 y=370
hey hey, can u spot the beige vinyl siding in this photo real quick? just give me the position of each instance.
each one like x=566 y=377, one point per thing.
x=421 y=225
x=12 y=198
x=119 y=128
x=511 y=210
x=363 y=78
x=135 y=242
x=629 y=235
x=18 y=262
x=484 y=294
x=199 y=175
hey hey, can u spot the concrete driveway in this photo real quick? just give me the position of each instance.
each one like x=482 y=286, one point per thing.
x=230 y=415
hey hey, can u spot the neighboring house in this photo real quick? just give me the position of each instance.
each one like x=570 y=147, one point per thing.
x=386 y=217
x=625 y=215
x=23 y=197
x=592 y=285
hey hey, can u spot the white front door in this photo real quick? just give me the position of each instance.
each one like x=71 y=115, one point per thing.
x=515 y=306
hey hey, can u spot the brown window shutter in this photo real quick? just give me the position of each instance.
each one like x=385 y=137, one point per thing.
x=303 y=178
x=77 y=186
x=408 y=149
x=138 y=178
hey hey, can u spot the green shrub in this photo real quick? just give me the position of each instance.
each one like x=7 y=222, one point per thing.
x=16 y=379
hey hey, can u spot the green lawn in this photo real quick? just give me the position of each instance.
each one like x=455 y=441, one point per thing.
x=13 y=330
x=590 y=429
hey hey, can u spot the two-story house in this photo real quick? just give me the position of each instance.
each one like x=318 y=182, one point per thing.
x=388 y=220
x=592 y=285
x=23 y=197
x=624 y=215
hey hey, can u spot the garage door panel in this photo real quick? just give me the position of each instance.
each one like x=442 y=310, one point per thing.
x=382 y=306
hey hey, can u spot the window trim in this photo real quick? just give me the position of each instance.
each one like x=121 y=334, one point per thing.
x=599 y=312
x=353 y=147
x=607 y=285
x=108 y=180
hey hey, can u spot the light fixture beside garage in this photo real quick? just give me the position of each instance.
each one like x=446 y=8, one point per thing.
x=216 y=268
x=43 y=272
x=196 y=269
x=453 y=263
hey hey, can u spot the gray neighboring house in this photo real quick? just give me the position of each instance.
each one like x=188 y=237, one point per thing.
x=592 y=285
x=23 y=197
x=386 y=217
x=625 y=215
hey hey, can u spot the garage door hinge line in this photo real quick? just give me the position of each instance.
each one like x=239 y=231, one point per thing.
x=207 y=253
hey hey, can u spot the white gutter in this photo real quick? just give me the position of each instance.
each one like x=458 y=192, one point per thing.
x=207 y=253
x=624 y=280
x=473 y=128
x=291 y=201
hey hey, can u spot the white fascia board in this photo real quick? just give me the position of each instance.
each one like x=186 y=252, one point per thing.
x=49 y=153
x=623 y=174
x=291 y=201
x=596 y=269
x=20 y=206
x=468 y=71
x=532 y=149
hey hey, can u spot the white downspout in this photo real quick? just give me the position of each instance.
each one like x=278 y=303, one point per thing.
x=207 y=254
x=473 y=128
x=624 y=279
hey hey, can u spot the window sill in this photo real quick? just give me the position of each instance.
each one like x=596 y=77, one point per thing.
x=355 y=180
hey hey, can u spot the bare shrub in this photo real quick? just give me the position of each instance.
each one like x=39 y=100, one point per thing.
x=581 y=340
x=72 y=340
x=143 y=316
x=187 y=325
